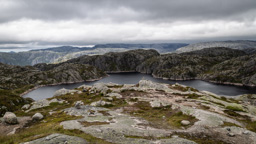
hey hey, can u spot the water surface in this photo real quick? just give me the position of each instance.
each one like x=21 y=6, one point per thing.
x=134 y=78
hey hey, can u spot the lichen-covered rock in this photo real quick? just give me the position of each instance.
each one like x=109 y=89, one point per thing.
x=10 y=118
x=159 y=103
x=37 y=116
x=64 y=91
x=44 y=103
x=100 y=103
x=25 y=107
x=58 y=139
x=116 y=95
x=100 y=87
x=152 y=85
x=79 y=104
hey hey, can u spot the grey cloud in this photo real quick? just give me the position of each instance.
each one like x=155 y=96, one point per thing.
x=107 y=21
x=129 y=10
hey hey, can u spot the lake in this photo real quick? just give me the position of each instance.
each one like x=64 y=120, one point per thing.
x=134 y=78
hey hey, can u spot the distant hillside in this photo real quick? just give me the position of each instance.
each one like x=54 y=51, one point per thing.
x=161 y=48
x=247 y=46
x=64 y=53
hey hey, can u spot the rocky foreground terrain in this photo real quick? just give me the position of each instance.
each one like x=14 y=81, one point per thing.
x=146 y=112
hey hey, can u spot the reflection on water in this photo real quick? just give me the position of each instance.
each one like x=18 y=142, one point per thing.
x=134 y=78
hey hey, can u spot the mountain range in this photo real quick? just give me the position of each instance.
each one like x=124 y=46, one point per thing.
x=64 y=53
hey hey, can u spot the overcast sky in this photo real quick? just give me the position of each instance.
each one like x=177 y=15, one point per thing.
x=64 y=22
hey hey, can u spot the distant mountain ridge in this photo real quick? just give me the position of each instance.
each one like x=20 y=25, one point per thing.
x=64 y=53
x=245 y=45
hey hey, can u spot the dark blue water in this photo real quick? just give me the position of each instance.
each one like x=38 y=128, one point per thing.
x=134 y=78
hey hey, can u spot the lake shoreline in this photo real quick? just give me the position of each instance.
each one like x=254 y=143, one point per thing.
x=134 y=77
x=214 y=82
x=39 y=86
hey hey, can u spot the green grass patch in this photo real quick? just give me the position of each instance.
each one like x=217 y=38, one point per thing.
x=234 y=108
x=162 y=117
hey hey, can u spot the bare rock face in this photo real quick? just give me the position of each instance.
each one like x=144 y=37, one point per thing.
x=100 y=103
x=10 y=118
x=64 y=91
x=58 y=139
x=116 y=95
x=37 y=116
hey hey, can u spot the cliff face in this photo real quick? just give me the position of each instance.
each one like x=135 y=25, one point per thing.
x=117 y=62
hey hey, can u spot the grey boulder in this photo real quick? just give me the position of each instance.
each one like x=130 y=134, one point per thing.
x=10 y=118
x=37 y=116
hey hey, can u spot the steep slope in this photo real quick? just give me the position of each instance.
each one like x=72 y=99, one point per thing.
x=248 y=46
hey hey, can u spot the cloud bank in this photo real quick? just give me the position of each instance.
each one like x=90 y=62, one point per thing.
x=116 y=21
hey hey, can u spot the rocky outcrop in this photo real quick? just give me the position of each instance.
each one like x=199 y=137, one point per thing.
x=64 y=91
x=58 y=139
x=44 y=103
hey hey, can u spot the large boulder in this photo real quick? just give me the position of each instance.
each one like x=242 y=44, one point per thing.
x=37 y=116
x=10 y=118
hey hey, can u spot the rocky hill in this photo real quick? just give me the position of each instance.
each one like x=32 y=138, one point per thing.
x=117 y=62
x=248 y=46
x=187 y=65
x=239 y=70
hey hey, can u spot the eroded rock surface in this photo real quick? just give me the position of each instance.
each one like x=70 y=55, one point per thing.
x=58 y=139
